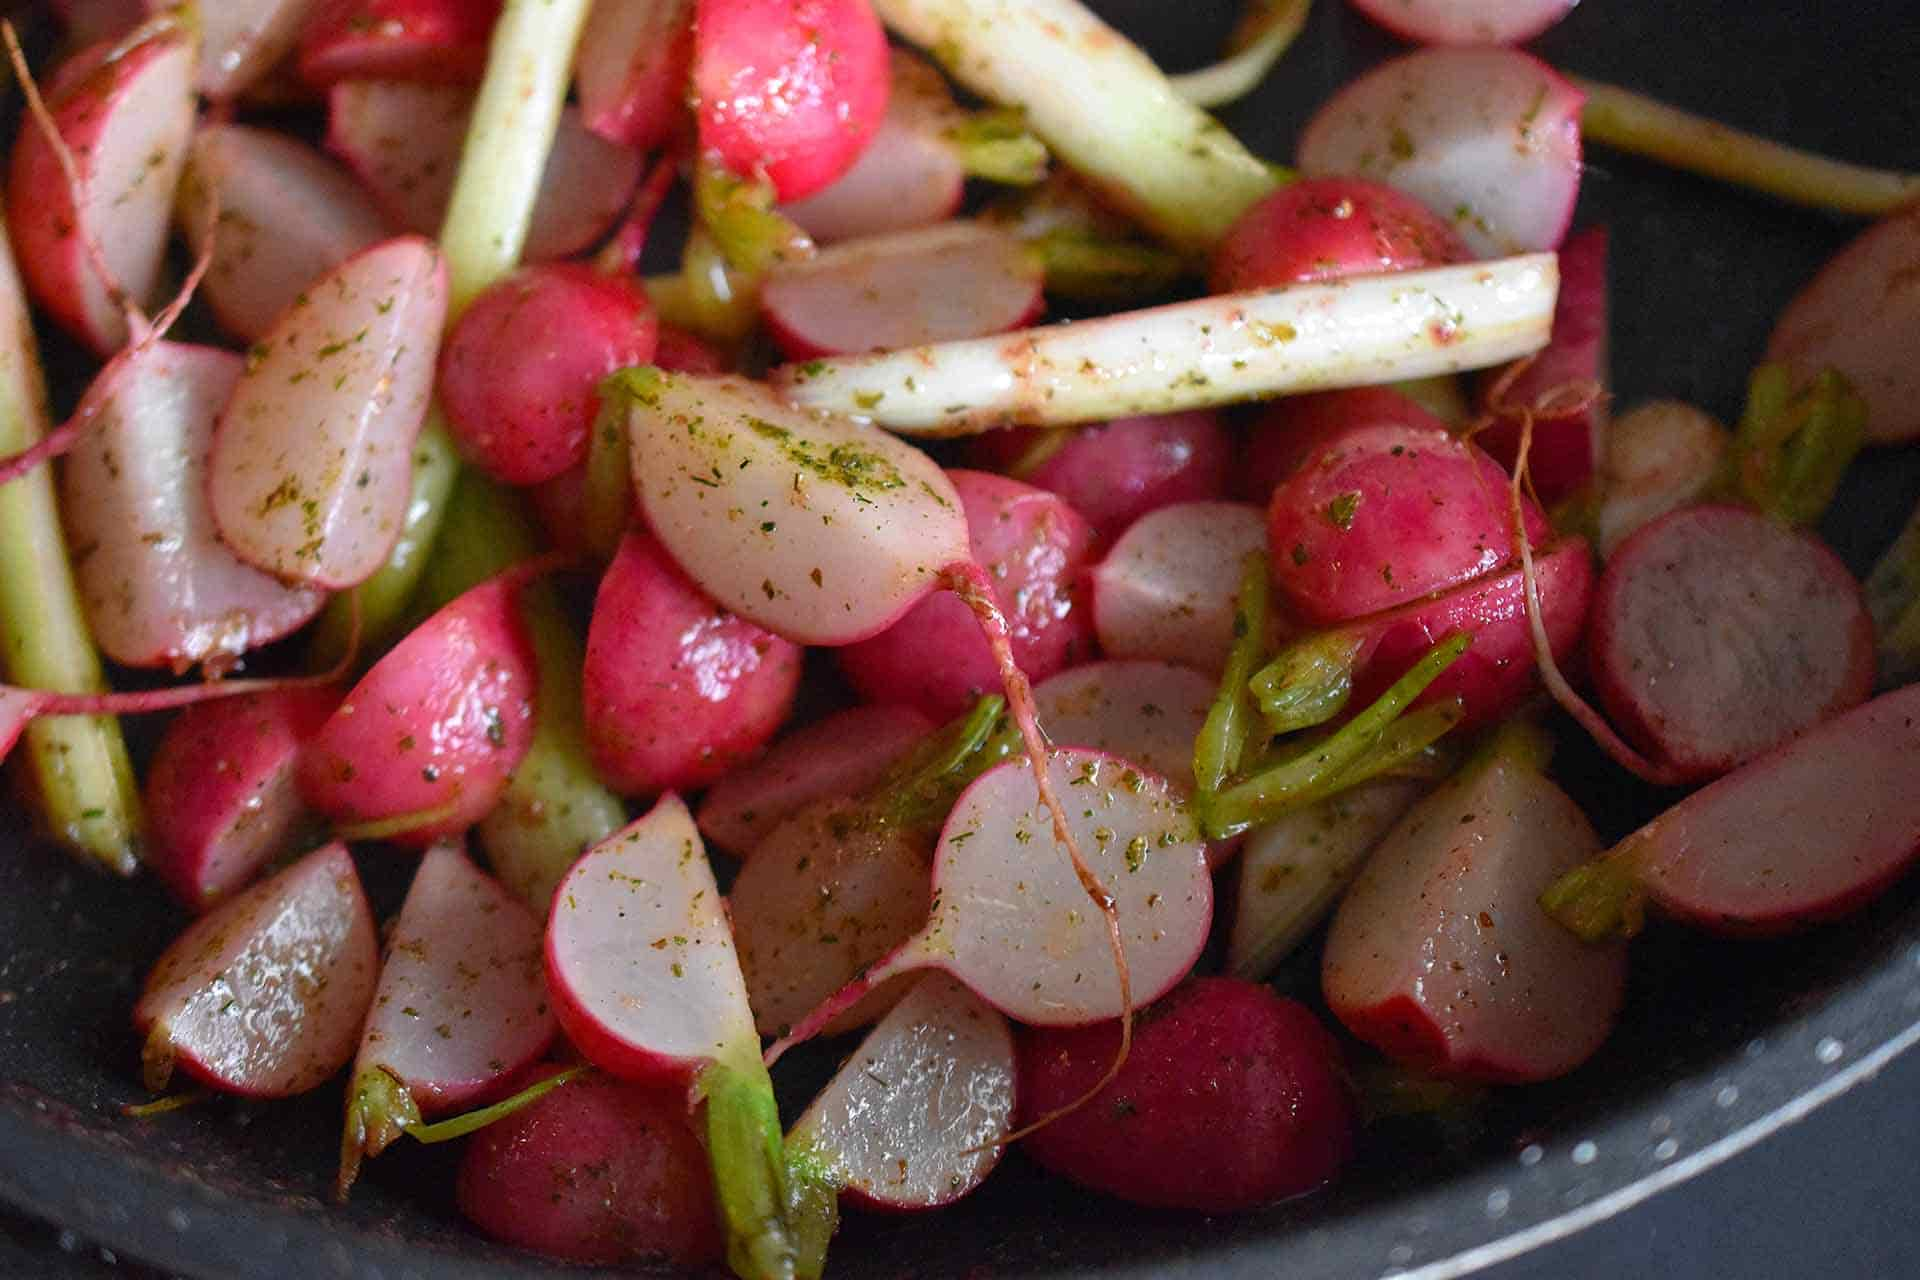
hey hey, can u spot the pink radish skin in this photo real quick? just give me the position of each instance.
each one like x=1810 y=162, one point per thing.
x=597 y=1171
x=264 y=995
x=632 y=69
x=1319 y=229
x=841 y=755
x=1489 y=138
x=312 y=457
x=1859 y=316
x=934 y=284
x=1567 y=447
x=241 y=41
x=789 y=90
x=1661 y=456
x=1440 y=956
x=90 y=21
x=159 y=588
x=438 y=724
x=220 y=796
x=678 y=691
x=127 y=117
x=419 y=40
x=288 y=215
x=1166 y=589
x=403 y=142
x=1286 y=432
x=1449 y=22
x=1717 y=635
x=681 y=352
x=521 y=370
x=1232 y=1098
x=1034 y=548
x=916 y=1117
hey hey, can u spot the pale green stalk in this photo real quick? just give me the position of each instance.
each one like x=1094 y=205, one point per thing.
x=1267 y=31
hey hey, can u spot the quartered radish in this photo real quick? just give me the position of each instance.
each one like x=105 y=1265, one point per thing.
x=221 y=802
x=1718 y=634
x=1487 y=138
x=933 y=284
x=916 y=1118
x=1328 y=228
x=312 y=458
x=1660 y=456
x=126 y=115
x=1192 y=355
x=433 y=40
x=287 y=216
x=159 y=587
x=460 y=1012
x=403 y=142
x=1440 y=957
x=1146 y=712
x=1474 y=22
x=1165 y=589
x=631 y=70
x=241 y=41
x=263 y=996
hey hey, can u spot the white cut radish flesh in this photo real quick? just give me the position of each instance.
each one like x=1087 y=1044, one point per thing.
x=631 y=70
x=1191 y=355
x=287 y=216
x=403 y=141
x=917 y=1117
x=127 y=117
x=1166 y=589
x=1661 y=456
x=264 y=995
x=312 y=459
x=1488 y=138
x=159 y=587
x=1466 y=22
x=1147 y=712
x=934 y=284
x=242 y=40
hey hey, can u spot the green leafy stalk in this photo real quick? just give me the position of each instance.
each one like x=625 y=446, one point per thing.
x=607 y=501
x=469 y=1122
x=749 y=1168
x=751 y=234
x=995 y=146
x=1599 y=899
x=813 y=1205
x=1085 y=266
x=1791 y=448
x=1309 y=683
x=1267 y=30
x=921 y=788
x=379 y=1109
x=1223 y=736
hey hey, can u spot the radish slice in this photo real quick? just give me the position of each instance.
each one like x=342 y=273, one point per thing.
x=1453 y=22
x=1859 y=316
x=1489 y=138
x=1166 y=589
x=264 y=995
x=847 y=527
x=434 y=40
x=403 y=141
x=88 y=21
x=1192 y=355
x=916 y=1118
x=312 y=459
x=1147 y=712
x=631 y=70
x=288 y=215
x=126 y=117
x=936 y=284
x=242 y=40
x=1662 y=456
x=159 y=587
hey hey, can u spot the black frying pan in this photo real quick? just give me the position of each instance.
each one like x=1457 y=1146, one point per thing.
x=1721 y=1042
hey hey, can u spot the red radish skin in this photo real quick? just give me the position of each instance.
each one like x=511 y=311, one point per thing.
x=1165 y=591
x=242 y=41
x=632 y=69
x=430 y=40
x=1718 y=634
x=1488 y=138
x=1449 y=22
x=1034 y=548
x=1288 y=430
x=597 y=1171
x=90 y=21
x=678 y=351
x=841 y=755
x=1661 y=456
x=264 y=995
x=1319 y=229
x=1440 y=956
x=436 y=727
x=789 y=90
x=220 y=796
x=1232 y=1098
x=678 y=690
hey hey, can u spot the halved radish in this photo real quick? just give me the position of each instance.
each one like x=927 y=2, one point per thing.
x=432 y=40
x=934 y=284
x=1466 y=22
x=312 y=458
x=1166 y=588
x=632 y=68
x=241 y=41
x=1488 y=138
x=1661 y=456
x=1328 y=228
x=126 y=115
x=264 y=995
x=1146 y=712
x=1719 y=634
x=288 y=215
x=403 y=142
x=1439 y=955
x=88 y=21
x=1279 y=439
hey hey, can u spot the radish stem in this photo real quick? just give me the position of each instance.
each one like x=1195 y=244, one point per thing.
x=1309 y=683
x=1790 y=449
x=1267 y=30
x=749 y=1164
x=813 y=1206
x=1223 y=736
x=996 y=147
x=1893 y=598
x=473 y=1121
x=1599 y=900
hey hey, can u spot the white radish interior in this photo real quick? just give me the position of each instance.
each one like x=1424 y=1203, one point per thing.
x=1146 y=712
x=1661 y=456
x=1166 y=589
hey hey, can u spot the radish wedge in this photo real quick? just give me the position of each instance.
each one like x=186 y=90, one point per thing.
x=241 y=41
x=159 y=587
x=937 y=284
x=1489 y=138
x=1146 y=712
x=631 y=70
x=1466 y=22
x=1193 y=355
x=312 y=460
x=916 y=1118
x=1661 y=456
x=264 y=995
x=1166 y=588
x=288 y=215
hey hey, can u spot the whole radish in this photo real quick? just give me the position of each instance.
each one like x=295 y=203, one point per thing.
x=1326 y=228
x=433 y=40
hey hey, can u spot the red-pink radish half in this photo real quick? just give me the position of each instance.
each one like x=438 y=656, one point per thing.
x=312 y=458
x=1144 y=711
x=631 y=70
x=432 y=40
x=1165 y=590
x=1488 y=138
x=1285 y=432
x=1661 y=456
x=1317 y=229
x=241 y=41
x=263 y=996
x=1466 y=22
